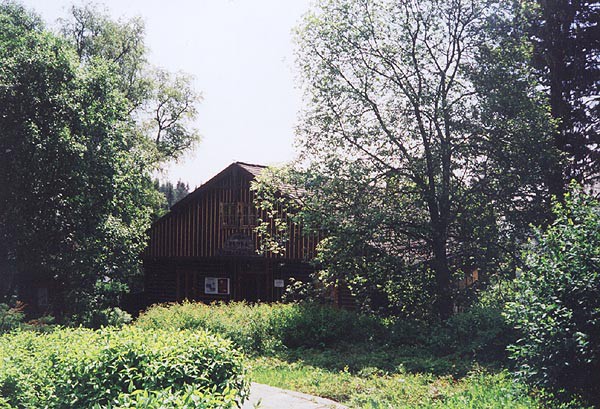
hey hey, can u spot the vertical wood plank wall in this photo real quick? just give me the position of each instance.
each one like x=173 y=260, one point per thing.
x=195 y=230
x=185 y=246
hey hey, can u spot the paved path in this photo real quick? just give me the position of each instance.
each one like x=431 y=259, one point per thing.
x=269 y=397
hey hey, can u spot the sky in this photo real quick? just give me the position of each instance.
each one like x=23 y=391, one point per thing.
x=241 y=55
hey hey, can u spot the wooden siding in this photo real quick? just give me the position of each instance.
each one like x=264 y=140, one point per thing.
x=210 y=235
x=195 y=229
x=170 y=280
x=343 y=298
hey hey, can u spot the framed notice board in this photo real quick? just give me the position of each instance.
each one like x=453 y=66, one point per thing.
x=216 y=285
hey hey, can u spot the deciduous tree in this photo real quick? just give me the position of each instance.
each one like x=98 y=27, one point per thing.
x=163 y=103
x=75 y=165
x=414 y=140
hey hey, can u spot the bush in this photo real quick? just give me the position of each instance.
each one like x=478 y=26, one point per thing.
x=115 y=368
x=334 y=338
x=318 y=326
x=108 y=317
x=481 y=333
x=11 y=318
x=249 y=327
x=167 y=399
x=557 y=306
x=266 y=328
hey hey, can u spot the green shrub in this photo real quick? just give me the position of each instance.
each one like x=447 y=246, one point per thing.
x=248 y=326
x=266 y=328
x=108 y=317
x=168 y=399
x=82 y=368
x=11 y=317
x=318 y=326
x=557 y=306
x=481 y=333
x=336 y=339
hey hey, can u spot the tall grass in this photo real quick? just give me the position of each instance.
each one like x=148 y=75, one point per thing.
x=400 y=390
x=267 y=328
x=359 y=360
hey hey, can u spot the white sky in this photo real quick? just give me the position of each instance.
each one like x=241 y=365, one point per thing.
x=241 y=55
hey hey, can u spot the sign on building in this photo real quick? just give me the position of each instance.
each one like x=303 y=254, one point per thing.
x=216 y=285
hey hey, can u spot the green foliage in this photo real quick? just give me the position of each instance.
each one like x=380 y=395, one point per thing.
x=336 y=339
x=264 y=328
x=357 y=226
x=10 y=317
x=77 y=156
x=413 y=148
x=163 y=103
x=314 y=291
x=360 y=360
x=480 y=333
x=108 y=317
x=120 y=368
x=247 y=326
x=315 y=326
x=565 y=55
x=172 y=194
x=557 y=302
x=278 y=193
x=397 y=390
x=173 y=110
x=189 y=398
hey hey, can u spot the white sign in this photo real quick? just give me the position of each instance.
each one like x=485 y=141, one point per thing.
x=279 y=284
x=216 y=285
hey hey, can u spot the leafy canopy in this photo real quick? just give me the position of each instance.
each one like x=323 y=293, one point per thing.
x=419 y=117
x=557 y=303
x=77 y=155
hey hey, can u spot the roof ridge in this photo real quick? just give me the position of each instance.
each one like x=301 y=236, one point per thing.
x=251 y=164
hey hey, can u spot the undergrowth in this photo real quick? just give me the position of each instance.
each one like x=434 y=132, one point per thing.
x=129 y=368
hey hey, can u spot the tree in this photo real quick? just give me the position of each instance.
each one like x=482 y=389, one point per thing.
x=566 y=40
x=557 y=303
x=163 y=103
x=399 y=149
x=95 y=35
x=181 y=191
x=75 y=167
x=172 y=195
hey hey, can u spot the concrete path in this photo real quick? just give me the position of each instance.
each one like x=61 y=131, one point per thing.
x=269 y=397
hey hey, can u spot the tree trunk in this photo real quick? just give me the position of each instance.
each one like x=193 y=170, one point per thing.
x=557 y=21
x=443 y=302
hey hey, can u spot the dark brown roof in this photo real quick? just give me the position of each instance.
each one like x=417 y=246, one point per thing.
x=253 y=169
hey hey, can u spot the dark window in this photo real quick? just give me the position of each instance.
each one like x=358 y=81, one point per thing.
x=229 y=214
x=237 y=215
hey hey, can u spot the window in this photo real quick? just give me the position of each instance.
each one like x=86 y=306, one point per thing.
x=237 y=215
x=229 y=214
x=247 y=216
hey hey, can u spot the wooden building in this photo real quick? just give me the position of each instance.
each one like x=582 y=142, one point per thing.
x=206 y=247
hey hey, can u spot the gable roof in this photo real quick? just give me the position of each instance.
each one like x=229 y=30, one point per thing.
x=255 y=170
x=251 y=169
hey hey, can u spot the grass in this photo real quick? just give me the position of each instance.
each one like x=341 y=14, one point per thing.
x=376 y=390
x=359 y=360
